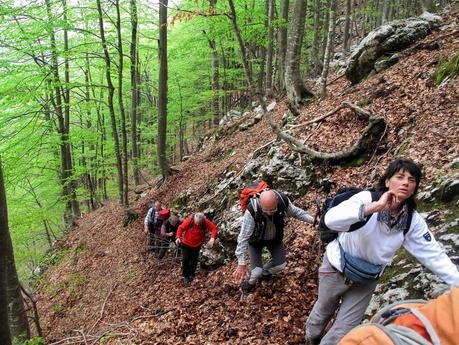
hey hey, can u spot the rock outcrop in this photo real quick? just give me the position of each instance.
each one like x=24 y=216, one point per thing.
x=386 y=40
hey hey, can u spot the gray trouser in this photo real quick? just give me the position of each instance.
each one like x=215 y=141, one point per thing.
x=351 y=299
x=275 y=266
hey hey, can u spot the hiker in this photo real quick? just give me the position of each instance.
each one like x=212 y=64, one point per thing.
x=194 y=229
x=151 y=221
x=370 y=249
x=263 y=226
x=413 y=322
x=168 y=231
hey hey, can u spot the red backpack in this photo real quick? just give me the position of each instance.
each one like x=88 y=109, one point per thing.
x=253 y=189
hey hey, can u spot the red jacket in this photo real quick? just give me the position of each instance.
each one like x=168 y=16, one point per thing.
x=194 y=236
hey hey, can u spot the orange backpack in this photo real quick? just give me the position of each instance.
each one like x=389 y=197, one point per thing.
x=411 y=322
x=254 y=189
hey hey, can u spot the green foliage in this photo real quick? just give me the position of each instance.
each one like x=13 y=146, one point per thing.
x=447 y=69
x=34 y=341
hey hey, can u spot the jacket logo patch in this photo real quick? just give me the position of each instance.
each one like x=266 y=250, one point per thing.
x=427 y=237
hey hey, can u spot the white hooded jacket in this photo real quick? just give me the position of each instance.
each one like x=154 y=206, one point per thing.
x=377 y=244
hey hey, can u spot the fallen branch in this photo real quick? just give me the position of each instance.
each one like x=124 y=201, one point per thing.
x=337 y=78
x=102 y=309
x=320 y=118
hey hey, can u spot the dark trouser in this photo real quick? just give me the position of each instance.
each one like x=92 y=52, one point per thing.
x=335 y=293
x=190 y=260
x=165 y=243
x=275 y=266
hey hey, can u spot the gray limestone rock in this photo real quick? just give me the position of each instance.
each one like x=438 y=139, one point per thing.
x=387 y=39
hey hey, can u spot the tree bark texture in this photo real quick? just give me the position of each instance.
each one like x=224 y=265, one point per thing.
x=14 y=306
x=296 y=90
x=282 y=44
x=328 y=49
x=162 y=90
x=347 y=26
x=111 y=92
x=63 y=128
x=134 y=93
x=270 y=49
x=121 y=107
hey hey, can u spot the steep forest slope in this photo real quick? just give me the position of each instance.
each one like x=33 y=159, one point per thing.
x=103 y=286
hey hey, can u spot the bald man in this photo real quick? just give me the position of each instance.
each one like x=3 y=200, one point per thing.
x=263 y=226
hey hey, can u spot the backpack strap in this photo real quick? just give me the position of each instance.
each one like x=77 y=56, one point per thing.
x=283 y=198
x=408 y=223
x=375 y=195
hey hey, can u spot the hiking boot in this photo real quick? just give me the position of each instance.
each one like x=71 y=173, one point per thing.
x=246 y=287
x=266 y=275
x=186 y=281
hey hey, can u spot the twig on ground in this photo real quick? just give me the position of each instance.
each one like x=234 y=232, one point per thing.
x=102 y=309
x=320 y=118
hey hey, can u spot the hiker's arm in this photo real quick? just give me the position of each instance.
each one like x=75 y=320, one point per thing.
x=298 y=213
x=420 y=242
x=212 y=228
x=148 y=217
x=385 y=201
x=342 y=216
x=147 y=220
x=248 y=224
x=182 y=228
x=164 y=233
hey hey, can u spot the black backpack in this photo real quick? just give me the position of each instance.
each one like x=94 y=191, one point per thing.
x=327 y=235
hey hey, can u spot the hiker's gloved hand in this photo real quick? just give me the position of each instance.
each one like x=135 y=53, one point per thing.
x=240 y=273
x=177 y=242
x=211 y=242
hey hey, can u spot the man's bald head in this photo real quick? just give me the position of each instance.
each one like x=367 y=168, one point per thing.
x=268 y=202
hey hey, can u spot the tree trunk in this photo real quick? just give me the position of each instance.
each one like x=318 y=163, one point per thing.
x=68 y=186
x=282 y=43
x=111 y=92
x=296 y=90
x=5 y=337
x=328 y=49
x=72 y=183
x=385 y=11
x=121 y=107
x=315 y=39
x=347 y=25
x=17 y=318
x=134 y=93
x=270 y=49
x=427 y=5
x=323 y=44
x=162 y=91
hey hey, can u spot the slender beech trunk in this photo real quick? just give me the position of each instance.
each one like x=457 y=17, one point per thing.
x=315 y=39
x=111 y=92
x=5 y=337
x=134 y=93
x=427 y=5
x=121 y=107
x=282 y=43
x=328 y=49
x=162 y=90
x=270 y=49
x=296 y=90
x=68 y=191
x=347 y=25
x=17 y=318
x=323 y=44
x=72 y=183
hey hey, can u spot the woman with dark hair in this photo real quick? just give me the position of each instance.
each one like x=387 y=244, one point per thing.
x=354 y=261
